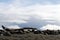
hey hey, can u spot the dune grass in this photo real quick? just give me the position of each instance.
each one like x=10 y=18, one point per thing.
x=30 y=36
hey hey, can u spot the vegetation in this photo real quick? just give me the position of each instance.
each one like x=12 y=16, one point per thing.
x=30 y=36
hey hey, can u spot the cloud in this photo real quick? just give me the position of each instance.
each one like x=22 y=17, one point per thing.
x=50 y=27
x=45 y=12
x=16 y=13
x=14 y=27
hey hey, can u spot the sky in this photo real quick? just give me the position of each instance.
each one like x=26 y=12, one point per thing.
x=41 y=14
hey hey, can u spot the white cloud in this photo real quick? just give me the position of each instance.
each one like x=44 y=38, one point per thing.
x=15 y=12
x=45 y=12
x=50 y=27
x=13 y=27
